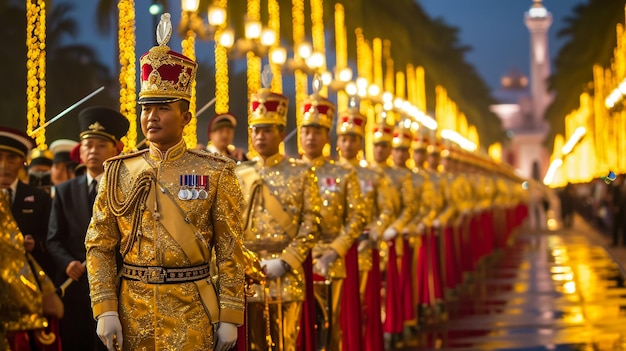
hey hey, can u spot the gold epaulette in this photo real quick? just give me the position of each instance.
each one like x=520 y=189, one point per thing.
x=245 y=164
x=126 y=155
x=213 y=155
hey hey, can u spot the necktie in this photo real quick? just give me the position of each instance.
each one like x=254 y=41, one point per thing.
x=10 y=196
x=93 y=191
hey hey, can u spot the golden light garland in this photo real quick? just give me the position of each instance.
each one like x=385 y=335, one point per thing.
x=254 y=62
x=317 y=33
x=400 y=85
x=411 y=85
x=127 y=58
x=301 y=80
x=341 y=52
x=421 y=88
x=222 y=99
x=273 y=22
x=377 y=48
x=364 y=55
x=190 y=132
x=36 y=69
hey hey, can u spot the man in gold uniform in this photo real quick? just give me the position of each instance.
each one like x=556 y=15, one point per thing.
x=422 y=190
x=404 y=207
x=342 y=211
x=282 y=219
x=379 y=215
x=164 y=209
x=27 y=296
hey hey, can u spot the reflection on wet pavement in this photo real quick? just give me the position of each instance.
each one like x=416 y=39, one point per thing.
x=553 y=291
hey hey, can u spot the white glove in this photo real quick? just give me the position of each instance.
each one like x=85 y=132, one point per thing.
x=322 y=262
x=274 y=268
x=390 y=234
x=109 y=328
x=226 y=335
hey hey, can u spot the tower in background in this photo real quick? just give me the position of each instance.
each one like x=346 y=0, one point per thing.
x=523 y=101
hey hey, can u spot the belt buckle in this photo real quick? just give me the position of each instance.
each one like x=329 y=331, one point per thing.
x=155 y=275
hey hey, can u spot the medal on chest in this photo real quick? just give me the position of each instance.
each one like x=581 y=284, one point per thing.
x=366 y=186
x=330 y=184
x=193 y=187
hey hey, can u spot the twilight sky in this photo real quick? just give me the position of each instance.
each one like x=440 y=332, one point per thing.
x=493 y=28
x=496 y=31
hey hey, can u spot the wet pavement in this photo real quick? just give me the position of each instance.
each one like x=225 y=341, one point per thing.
x=552 y=290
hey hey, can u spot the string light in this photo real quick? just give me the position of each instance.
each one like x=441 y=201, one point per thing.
x=36 y=69
x=190 y=132
x=222 y=99
x=127 y=59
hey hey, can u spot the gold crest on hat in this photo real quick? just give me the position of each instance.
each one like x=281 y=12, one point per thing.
x=383 y=132
x=402 y=135
x=267 y=107
x=166 y=76
x=351 y=122
x=316 y=109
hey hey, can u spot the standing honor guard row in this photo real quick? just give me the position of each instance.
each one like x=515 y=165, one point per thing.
x=159 y=249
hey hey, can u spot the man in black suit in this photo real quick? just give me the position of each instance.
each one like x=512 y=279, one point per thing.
x=72 y=206
x=30 y=206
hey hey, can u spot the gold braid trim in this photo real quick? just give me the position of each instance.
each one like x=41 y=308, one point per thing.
x=134 y=204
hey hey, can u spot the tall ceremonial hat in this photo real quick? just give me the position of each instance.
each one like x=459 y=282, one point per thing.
x=61 y=149
x=166 y=76
x=102 y=122
x=316 y=109
x=382 y=132
x=41 y=157
x=15 y=141
x=267 y=107
x=351 y=121
x=402 y=135
x=421 y=140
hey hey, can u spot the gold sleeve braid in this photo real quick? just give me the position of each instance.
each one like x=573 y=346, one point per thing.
x=228 y=237
x=101 y=240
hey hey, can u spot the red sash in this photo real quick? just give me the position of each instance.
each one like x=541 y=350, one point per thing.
x=350 y=313
x=373 y=337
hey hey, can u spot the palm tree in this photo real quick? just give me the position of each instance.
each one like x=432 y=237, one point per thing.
x=72 y=71
x=592 y=38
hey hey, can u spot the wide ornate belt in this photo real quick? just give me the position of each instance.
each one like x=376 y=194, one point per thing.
x=165 y=275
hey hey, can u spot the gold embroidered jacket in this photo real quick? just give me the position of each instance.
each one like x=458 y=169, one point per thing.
x=21 y=298
x=459 y=197
x=424 y=195
x=438 y=202
x=294 y=185
x=377 y=204
x=342 y=211
x=405 y=205
x=137 y=201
